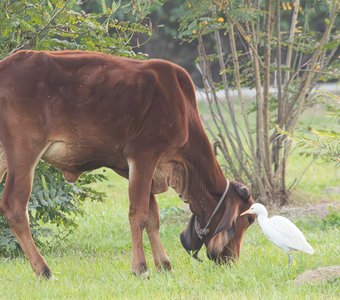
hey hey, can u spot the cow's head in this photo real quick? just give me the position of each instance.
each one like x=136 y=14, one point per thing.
x=223 y=237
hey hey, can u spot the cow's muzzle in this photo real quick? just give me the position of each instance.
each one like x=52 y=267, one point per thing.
x=218 y=249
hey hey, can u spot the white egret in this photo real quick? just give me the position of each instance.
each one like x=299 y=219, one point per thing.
x=279 y=230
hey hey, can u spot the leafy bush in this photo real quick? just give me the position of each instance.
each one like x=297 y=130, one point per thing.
x=54 y=202
x=323 y=143
x=58 y=24
x=332 y=220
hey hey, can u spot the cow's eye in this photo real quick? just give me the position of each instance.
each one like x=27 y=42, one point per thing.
x=251 y=219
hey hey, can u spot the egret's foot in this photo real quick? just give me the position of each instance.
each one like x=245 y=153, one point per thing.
x=290 y=259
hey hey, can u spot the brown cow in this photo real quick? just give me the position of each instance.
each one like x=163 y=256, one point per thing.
x=80 y=111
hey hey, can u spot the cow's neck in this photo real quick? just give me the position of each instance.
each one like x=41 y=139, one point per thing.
x=202 y=181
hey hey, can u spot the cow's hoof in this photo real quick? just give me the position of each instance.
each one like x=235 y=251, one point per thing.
x=144 y=275
x=164 y=266
x=140 y=270
x=45 y=273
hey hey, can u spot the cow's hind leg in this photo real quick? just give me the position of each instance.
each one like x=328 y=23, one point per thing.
x=141 y=169
x=3 y=163
x=152 y=227
x=14 y=207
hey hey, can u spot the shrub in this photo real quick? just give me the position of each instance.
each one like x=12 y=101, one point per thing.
x=53 y=203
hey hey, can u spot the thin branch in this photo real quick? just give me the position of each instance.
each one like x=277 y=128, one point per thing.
x=212 y=113
x=293 y=23
x=246 y=37
x=281 y=104
x=238 y=86
x=223 y=149
x=296 y=181
x=306 y=82
x=259 y=108
x=208 y=79
x=266 y=86
x=230 y=103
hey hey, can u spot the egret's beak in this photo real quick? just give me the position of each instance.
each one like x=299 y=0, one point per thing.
x=247 y=212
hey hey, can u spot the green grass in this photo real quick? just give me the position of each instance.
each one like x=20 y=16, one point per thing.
x=315 y=181
x=95 y=262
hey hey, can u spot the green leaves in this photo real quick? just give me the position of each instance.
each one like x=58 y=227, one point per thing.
x=54 y=202
x=321 y=144
x=57 y=25
x=331 y=220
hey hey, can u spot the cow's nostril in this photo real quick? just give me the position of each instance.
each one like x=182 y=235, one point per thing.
x=219 y=258
x=213 y=255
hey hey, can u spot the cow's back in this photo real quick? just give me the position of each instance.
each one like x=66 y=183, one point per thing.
x=89 y=109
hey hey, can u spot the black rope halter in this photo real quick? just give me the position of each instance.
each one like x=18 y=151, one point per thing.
x=205 y=231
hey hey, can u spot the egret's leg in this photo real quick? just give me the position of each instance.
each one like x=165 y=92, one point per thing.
x=290 y=258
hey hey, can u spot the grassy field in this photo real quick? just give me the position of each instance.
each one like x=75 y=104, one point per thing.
x=95 y=262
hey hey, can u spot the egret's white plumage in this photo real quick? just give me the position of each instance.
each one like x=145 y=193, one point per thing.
x=279 y=230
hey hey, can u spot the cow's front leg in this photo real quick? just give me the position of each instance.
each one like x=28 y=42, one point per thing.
x=141 y=171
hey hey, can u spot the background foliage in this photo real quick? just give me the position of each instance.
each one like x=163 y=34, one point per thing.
x=54 y=203
x=58 y=24
x=273 y=48
x=322 y=143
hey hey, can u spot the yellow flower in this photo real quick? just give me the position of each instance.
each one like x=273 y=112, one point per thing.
x=194 y=31
x=247 y=38
x=220 y=20
x=297 y=6
x=298 y=29
x=289 y=6
x=284 y=6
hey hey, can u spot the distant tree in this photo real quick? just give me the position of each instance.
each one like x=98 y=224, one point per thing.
x=260 y=44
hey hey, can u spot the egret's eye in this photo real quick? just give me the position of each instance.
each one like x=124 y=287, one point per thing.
x=251 y=220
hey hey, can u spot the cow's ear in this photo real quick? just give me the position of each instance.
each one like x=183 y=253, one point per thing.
x=242 y=190
x=190 y=240
x=230 y=213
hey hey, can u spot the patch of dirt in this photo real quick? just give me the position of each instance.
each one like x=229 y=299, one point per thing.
x=318 y=275
x=320 y=210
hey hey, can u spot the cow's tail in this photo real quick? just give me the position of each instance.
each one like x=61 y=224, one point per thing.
x=3 y=162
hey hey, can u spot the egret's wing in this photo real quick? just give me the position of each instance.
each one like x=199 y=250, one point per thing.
x=286 y=235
